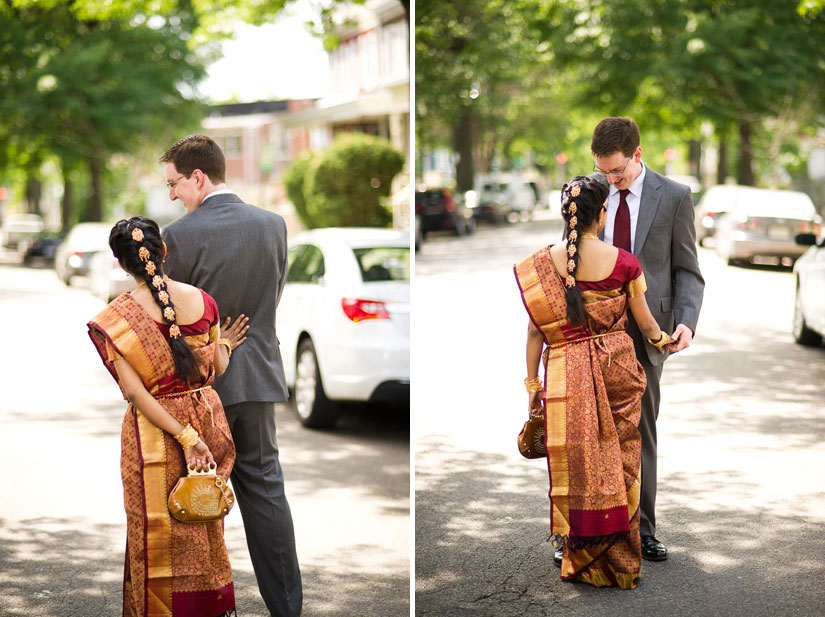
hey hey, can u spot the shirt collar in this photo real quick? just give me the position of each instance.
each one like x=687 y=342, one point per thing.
x=218 y=192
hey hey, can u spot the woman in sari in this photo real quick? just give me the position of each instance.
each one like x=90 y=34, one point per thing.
x=163 y=345
x=577 y=294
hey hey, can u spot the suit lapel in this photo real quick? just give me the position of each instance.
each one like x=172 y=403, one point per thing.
x=651 y=195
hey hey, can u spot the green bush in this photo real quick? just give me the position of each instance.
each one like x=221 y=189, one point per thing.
x=346 y=183
x=294 y=181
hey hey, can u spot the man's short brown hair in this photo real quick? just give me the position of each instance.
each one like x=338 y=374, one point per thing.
x=197 y=152
x=615 y=135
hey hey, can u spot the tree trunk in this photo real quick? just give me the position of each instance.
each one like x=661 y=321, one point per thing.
x=96 y=198
x=695 y=158
x=722 y=163
x=744 y=173
x=67 y=203
x=33 y=192
x=463 y=146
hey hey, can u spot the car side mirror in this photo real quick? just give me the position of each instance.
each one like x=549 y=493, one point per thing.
x=805 y=239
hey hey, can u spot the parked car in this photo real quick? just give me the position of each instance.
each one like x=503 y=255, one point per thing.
x=17 y=228
x=107 y=280
x=344 y=320
x=74 y=255
x=713 y=204
x=41 y=247
x=762 y=224
x=439 y=210
x=809 y=302
x=505 y=198
x=554 y=203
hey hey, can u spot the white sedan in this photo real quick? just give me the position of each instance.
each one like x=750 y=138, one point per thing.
x=344 y=320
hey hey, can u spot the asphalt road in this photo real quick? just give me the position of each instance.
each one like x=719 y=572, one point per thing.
x=741 y=502
x=62 y=526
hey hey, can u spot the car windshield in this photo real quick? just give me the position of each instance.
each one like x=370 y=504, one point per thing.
x=391 y=263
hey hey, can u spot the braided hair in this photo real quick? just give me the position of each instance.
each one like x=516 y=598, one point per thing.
x=137 y=245
x=581 y=202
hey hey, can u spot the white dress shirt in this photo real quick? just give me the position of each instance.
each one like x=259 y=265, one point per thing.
x=221 y=192
x=634 y=199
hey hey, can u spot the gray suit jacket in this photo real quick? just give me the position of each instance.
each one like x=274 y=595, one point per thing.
x=665 y=244
x=237 y=253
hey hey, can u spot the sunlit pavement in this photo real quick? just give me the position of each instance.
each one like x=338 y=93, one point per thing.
x=741 y=502
x=62 y=525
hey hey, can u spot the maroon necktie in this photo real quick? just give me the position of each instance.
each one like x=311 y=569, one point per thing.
x=621 y=224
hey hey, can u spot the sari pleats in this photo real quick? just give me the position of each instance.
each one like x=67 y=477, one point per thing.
x=593 y=388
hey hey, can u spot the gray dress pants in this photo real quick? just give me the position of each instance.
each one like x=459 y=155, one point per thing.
x=647 y=428
x=259 y=488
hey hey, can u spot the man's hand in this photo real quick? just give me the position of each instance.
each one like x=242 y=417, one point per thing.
x=682 y=337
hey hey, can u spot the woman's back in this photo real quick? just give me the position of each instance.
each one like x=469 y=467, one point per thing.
x=188 y=302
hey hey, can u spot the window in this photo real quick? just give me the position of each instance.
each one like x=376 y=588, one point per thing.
x=384 y=263
x=230 y=145
x=306 y=264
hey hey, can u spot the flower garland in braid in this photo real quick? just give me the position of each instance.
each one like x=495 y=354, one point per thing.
x=140 y=255
x=581 y=204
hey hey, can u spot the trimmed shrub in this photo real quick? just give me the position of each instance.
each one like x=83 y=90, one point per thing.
x=346 y=184
x=294 y=182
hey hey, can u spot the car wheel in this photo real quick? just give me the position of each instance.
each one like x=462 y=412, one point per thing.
x=513 y=216
x=314 y=409
x=802 y=334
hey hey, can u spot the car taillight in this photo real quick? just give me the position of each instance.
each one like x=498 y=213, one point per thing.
x=361 y=310
x=817 y=231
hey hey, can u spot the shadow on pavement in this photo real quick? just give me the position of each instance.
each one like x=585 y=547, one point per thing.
x=749 y=378
x=51 y=568
x=482 y=522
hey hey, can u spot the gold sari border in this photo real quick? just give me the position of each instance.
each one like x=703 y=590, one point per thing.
x=158 y=532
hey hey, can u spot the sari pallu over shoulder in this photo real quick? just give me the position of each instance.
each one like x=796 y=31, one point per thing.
x=593 y=446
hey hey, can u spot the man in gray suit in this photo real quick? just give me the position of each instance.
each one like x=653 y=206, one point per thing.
x=652 y=217
x=238 y=254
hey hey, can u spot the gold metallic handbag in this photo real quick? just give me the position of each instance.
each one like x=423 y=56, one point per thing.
x=200 y=497
x=532 y=438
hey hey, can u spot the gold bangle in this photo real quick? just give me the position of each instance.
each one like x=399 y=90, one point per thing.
x=188 y=437
x=661 y=342
x=533 y=385
x=225 y=342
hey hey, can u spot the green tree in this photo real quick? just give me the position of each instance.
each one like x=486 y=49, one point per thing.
x=737 y=64
x=85 y=90
x=348 y=182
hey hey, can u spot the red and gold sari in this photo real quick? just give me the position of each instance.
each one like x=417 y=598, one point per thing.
x=172 y=568
x=593 y=388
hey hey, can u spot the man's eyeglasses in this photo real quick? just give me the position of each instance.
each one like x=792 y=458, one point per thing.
x=173 y=183
x=615 y=172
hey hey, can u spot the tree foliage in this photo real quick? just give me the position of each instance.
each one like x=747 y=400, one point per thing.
x=751 y=68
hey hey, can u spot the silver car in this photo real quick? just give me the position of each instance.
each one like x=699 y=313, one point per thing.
x=761 y=224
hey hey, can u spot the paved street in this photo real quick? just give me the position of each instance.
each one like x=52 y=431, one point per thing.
x=741 y=502
x=62 y=526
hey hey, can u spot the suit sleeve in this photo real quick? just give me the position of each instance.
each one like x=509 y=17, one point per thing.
x=284 y=263
x=688 y=283
x=174 y=267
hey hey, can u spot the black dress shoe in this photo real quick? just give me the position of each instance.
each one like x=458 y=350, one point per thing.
x=558 y=555
x=652 y=549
